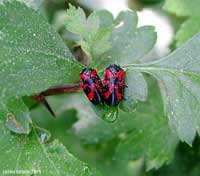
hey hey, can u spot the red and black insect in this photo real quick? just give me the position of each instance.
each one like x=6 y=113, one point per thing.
x=113 y=84
x=92 y=85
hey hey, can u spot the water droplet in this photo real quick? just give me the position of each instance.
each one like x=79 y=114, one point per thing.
x=43 y=134
x=111 y=115
x=43 y=137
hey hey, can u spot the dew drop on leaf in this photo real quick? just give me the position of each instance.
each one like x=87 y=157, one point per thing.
x=111 y=115
x=43 y=134
x=44 y=137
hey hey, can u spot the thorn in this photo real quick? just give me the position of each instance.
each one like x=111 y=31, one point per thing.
x=46 y=104
x=41 y=98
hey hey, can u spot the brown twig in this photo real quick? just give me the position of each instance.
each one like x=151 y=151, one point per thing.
x=57 y=90
x=62 y=89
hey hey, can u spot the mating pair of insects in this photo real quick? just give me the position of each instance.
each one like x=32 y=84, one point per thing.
x=110 y=90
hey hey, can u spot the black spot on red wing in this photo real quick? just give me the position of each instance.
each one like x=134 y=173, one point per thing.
x=98 y=98
x=87 y=90
x=112 y=100
x=100 y=83
x=105 y=89
x=84 y=81
x=120 y=89
x=92 y=86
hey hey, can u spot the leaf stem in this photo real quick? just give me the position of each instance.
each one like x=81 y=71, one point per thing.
x=57 y=90
x=62 y=89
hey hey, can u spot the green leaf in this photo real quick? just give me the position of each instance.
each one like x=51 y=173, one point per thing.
x=136 y=90
x=183 y=7
x=189 y=9
x=32 y=55
x=111 y=41
x=17 y=116
x=188 y=29
x=36 y=4
x=100 y=42
x=106 y=19
x=186 y=159
x=27 y=153
x=128 y=43
x=78 y=24
x=179 y=78
x=93 y=39
x=152 y=140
